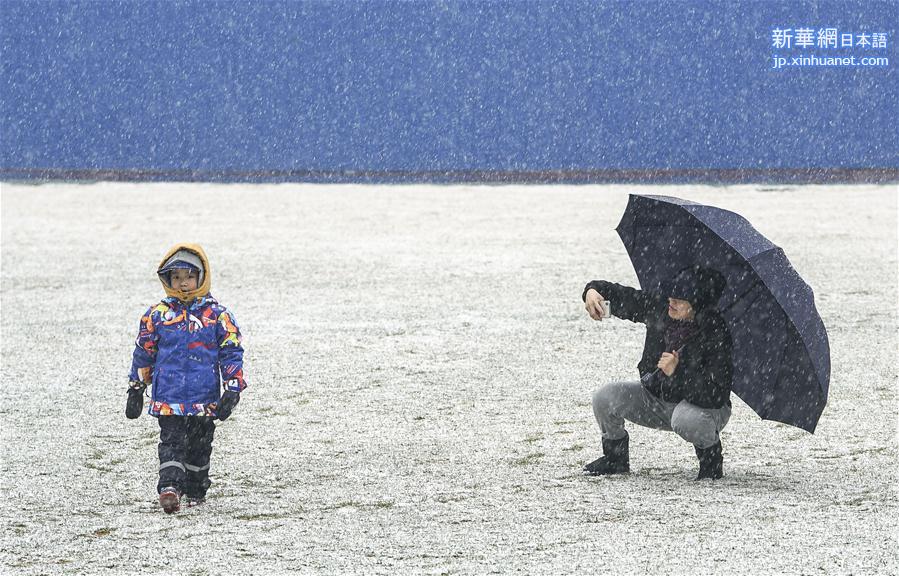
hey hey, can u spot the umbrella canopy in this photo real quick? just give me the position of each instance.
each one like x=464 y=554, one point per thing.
x=781 y=354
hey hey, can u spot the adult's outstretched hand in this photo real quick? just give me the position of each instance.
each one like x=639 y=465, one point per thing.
x=593 y=303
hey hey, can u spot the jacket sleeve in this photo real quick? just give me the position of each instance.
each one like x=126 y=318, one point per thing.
x=144 y=356
x=230 y=352
x=626 y=302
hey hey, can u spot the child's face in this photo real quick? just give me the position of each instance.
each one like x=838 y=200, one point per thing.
x=183 y=280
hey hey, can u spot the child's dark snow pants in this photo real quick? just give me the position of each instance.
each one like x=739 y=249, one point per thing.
x=185 y=445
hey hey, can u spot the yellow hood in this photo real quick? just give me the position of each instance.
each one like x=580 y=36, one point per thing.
x=205 y=273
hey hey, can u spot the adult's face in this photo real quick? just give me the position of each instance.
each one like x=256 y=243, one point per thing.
x=680 y=309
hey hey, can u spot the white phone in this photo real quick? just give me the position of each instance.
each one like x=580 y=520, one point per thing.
x=606 y=308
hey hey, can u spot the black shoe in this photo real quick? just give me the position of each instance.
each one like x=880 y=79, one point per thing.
x=711 y=462
x=615 y=459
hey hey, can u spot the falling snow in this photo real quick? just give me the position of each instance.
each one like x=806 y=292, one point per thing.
x=420 y=369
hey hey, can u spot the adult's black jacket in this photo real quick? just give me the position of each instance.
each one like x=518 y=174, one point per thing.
x=704 y=372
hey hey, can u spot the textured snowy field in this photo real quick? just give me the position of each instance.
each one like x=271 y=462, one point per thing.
x=420 y=367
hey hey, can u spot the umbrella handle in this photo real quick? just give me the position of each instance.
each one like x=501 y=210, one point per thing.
x=648 y=377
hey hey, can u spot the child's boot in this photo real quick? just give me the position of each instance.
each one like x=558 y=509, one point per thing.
x=195 y=488
x=170 y=500
x=191 y=501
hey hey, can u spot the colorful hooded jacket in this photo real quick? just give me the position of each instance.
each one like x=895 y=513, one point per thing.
x=188 y=345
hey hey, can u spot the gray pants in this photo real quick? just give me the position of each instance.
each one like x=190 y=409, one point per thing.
x=614 y=403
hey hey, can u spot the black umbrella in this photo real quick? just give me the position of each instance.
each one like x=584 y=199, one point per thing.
x=781 y=353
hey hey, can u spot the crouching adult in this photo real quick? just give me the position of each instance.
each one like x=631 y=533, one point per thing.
x=685 y=371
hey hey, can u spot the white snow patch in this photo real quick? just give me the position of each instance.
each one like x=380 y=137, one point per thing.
x=420 y=371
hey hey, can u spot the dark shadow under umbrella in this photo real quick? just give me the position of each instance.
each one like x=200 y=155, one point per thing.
x=781 y=352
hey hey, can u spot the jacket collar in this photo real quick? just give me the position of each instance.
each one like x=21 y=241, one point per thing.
x=195 y=303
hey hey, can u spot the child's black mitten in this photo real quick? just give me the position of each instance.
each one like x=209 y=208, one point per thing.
x=135 y=403
x=229 y=400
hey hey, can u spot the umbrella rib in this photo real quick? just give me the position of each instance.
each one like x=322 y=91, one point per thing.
x=743 y=295
x=787 y=314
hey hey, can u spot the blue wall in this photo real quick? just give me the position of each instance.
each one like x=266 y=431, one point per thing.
x=432 y=86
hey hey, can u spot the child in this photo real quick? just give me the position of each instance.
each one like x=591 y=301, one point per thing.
x=188 y=345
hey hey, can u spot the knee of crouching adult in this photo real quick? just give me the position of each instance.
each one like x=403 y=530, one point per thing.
x=689 y=423
x=680 y=425
x=602 y=397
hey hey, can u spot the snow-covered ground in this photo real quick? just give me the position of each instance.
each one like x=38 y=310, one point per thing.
x=420 y=369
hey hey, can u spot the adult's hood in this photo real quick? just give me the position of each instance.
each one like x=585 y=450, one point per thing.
x=701 y=287
x=191 y=254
